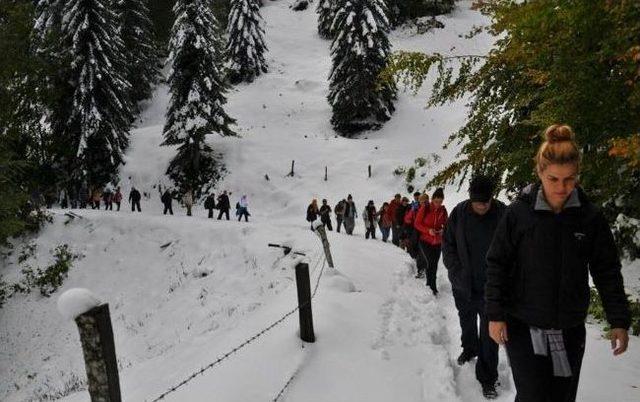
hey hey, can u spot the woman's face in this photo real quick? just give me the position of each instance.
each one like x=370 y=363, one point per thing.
x=558 y=181
x=437 y=202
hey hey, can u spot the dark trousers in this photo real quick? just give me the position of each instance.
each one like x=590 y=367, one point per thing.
x=223 y=211
x=428 y=258
x=135 y=204
x=371 y=231
x=118 y=206
x=210 y=213
x=188 y=210
x=396 y=231
x=168 y=208
x=327 y=224
x=339 y=220
x=533 y=375
x=477 y=342
x=385 y=233
x=245 y=214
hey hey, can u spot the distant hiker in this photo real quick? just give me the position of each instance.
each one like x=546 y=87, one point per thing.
x=339 y=211
x=398 y=216
x=242 y=209
x=350 y=215
x=430 y=223
x=312 y=212
x=396 y=228
x=411 y=237
x=167 y=200
x=369 y=218
x=134 y=199
x=106 y=198
x=537 y=292
x=384 y=222
x=95 y=198
x=63 y=199
x=187 y=201
x=466 y=240
x=325 y=215
x=224 y=205
x=117 y=197
x=210 y=204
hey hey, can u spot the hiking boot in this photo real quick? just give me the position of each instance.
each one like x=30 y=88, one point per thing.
x=466 y=356
x=489 y=391
x=420 y=274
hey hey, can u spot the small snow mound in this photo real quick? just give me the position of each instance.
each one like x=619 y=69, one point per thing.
x=76 y=301
x=341 y=283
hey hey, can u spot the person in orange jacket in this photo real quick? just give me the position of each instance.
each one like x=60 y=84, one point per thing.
x=430 y=223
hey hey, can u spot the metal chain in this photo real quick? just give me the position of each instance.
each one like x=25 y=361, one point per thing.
x=248 y=341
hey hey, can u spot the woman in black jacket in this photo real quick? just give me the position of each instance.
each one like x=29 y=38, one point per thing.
x=537 y=291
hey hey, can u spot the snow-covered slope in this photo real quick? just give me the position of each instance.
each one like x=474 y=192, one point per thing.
x=380 y=335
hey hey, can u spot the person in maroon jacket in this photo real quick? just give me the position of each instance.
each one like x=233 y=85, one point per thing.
x=396 y=227
x=430 y=223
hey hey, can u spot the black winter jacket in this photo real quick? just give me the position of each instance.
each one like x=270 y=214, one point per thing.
x=223 y=202
x=539 y=262
x=455 y=251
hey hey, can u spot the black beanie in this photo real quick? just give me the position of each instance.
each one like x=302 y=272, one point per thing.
x=481 y=189
x=439 y=193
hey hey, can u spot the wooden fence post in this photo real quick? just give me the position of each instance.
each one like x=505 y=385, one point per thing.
x=304 y=303
x=326 y=176
x=322 y=232
x=96 y=336
x=292 y=166
x=369 y=168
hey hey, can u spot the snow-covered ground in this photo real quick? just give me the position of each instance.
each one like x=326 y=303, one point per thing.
x=380 y=335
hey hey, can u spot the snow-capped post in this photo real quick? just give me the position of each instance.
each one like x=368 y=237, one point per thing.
x=96 y=337
x=304 y=303
x=322 y=232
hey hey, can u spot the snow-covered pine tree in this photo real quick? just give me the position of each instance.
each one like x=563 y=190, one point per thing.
x=100 y=114
x=48 y=15
x=138 y=37
x=246 y=45
x=326 y=11
x=359 y=52
x=197 y=88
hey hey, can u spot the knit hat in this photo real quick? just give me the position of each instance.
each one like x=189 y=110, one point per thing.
x=439 y=193
x=481 y=189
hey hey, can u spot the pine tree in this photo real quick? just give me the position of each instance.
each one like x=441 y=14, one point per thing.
x=197 y=89
x=246 y=45
x=101 y=112
x=142 y=58
x=359 y=52
x=326 y=11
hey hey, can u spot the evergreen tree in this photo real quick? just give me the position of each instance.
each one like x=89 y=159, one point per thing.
x=101 y=112
x=246 y=46
x=403 y=10
x=142 y=58
x=359 y=52
x=197 y=87
x=326 y=11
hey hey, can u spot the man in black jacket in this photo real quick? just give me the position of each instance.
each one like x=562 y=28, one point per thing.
x=223 y=205
x=465 y=243
x=134 y=199
x=167 y=200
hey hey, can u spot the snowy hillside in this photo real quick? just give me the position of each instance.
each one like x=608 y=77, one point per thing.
x=183 y=291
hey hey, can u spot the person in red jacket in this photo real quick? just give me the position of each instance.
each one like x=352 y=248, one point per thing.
x=430 y=223
x=396 y=227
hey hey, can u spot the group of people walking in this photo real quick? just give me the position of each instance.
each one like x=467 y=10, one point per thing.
x=94 y=197
x=211 y=202
x=519 y=273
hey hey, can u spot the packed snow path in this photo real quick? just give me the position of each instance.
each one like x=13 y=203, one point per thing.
x=381 y=336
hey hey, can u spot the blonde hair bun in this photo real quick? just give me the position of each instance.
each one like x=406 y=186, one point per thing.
x=559 y=133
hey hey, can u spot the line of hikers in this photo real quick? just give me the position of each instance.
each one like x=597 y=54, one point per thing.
x=415 y=226
x=519 y=274
x=221 y=203
x=88 y=197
